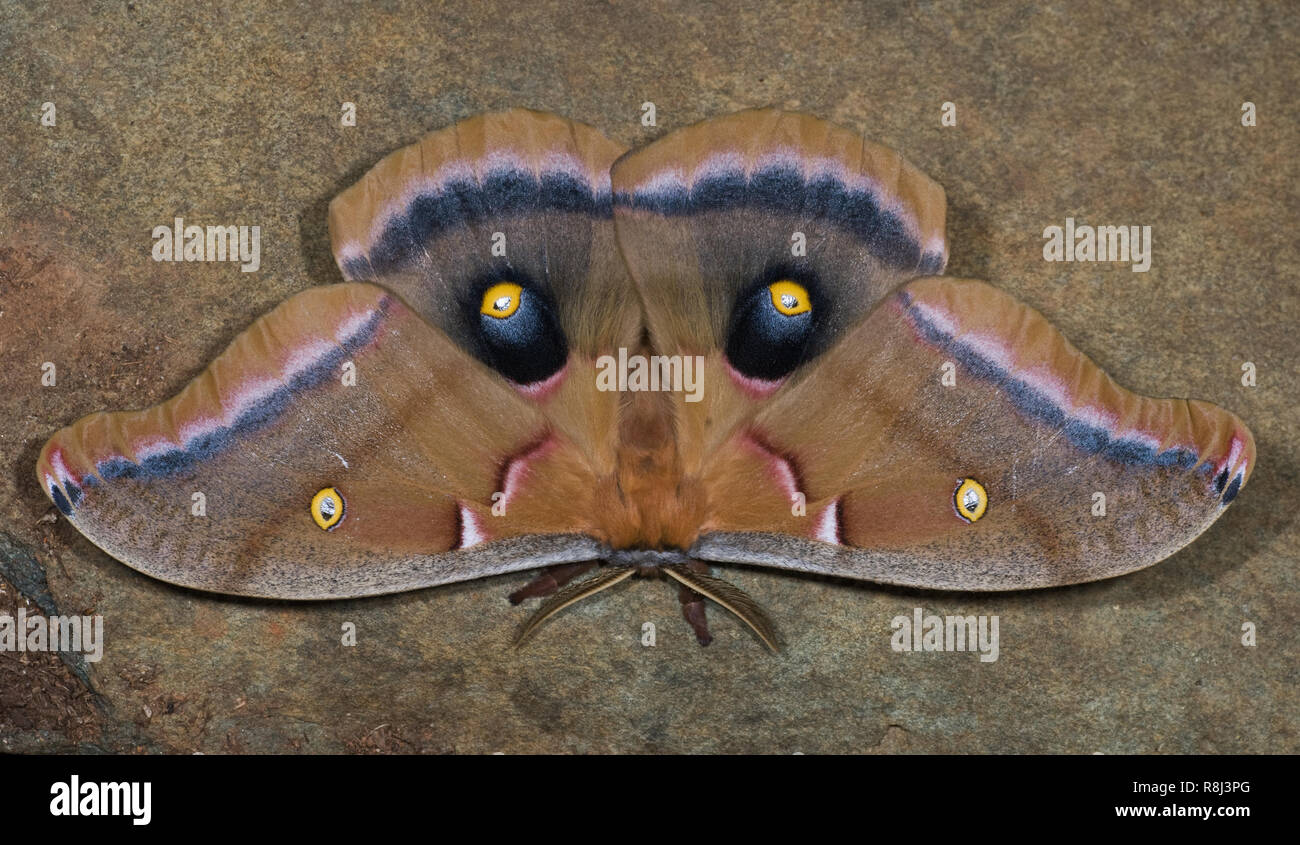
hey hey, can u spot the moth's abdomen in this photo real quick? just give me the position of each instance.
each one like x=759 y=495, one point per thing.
x=650 y=502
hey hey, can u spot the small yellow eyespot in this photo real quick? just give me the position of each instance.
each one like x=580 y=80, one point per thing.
x=790 y=298
x=501 y=300
x=327 y=508
x=970 y=500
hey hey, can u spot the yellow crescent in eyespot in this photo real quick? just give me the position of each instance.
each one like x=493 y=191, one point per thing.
x=790 y=298
x=970 y=499
x=328 y=508
x=501 y=300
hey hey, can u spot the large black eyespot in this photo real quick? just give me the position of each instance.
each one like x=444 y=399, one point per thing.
x=519 y=334
x=771 y=327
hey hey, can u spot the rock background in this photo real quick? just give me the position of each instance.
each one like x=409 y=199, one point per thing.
x=1109 y=112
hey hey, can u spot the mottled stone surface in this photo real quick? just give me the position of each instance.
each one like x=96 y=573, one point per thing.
x=1107 y=112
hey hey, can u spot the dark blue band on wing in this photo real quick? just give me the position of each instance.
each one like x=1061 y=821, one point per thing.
x=1037 y=406
x=782 y=189
x=461 y=202
x=209 y=444
x=60 y=500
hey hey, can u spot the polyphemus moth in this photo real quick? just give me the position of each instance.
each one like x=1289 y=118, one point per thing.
x=447 y=414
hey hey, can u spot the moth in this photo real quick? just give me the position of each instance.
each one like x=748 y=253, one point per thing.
x=441 y=415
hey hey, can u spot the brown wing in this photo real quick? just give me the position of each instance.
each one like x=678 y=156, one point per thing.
x=474 y=421
x=520 y=197
x=341 y=388
x=956 y=440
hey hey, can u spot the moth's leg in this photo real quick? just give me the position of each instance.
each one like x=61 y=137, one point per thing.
x=551 y=579
x=693 y=605
x=694 y=575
